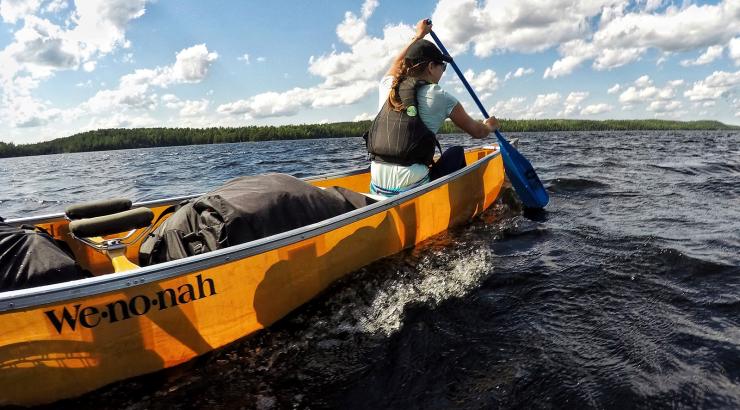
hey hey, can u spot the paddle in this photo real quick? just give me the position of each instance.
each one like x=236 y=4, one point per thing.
x=521 y=173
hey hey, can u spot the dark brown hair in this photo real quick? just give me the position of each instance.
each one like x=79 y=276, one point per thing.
x=407 y=69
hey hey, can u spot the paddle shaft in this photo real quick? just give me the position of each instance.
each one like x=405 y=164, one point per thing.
x=521 y=173
x=460 y=74
x=462 y=77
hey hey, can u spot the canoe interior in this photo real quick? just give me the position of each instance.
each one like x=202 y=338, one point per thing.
x=99 y=264
x=66 y=347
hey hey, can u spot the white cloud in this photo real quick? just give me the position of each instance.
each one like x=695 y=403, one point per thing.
x=623 y=37
x=662 y=59
x=575 y=53
x=120 y=120
x=40 y=48
x=483 y=83
x=486 y=80
x=511 y=108
x=288 y=103
x=643 y=81
x=187 y=108
x=25 y=112
x=368 y=7
x=133 y=92
x=650 y=5
x=601 y=33
x=576 y=97
x=353 y=28
x=121 y=99
x=572 y=102
x=364 y=117
x=513 y=25
x=644 y=91
x=270 y=104
x=13 y=10
x=664 y=106
x=367 y=59
x=347 y=76
x=192 y=64
x=712 y=53
x=542 y=104
x=707 y=24
x=596 y=109
x=717 y=85
x=100 y=25
x=192 y=108
x=171 y=101
x=623 y=34
x=519 y=72
x=734 y=50
x=55 y=6
x=616 y=57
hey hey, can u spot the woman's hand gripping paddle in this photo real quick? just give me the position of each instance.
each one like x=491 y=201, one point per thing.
x=521 y=173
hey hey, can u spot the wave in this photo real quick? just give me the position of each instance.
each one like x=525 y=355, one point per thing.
x=575 y=185
x=674 y=168
x=722 y=167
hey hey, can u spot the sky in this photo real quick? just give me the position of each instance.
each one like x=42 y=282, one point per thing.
x=68 y=66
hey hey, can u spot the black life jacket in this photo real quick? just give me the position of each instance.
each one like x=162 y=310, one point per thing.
x=401 y=137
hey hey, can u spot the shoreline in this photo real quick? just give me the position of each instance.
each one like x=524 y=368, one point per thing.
x=134 y=138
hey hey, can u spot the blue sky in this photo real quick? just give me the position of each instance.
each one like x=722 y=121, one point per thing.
x=70 y=66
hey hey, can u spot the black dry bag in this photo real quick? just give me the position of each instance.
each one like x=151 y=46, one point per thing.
x=30 y=257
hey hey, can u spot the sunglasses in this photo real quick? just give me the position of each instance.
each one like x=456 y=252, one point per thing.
x=443 y=64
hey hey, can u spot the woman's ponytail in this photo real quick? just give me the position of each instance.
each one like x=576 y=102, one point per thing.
x=394 y=99
x=407 y=69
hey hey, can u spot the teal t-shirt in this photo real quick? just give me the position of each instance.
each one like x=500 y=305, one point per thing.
x=435 y=104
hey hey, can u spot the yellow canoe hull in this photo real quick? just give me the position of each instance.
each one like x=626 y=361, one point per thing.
x=63 y=340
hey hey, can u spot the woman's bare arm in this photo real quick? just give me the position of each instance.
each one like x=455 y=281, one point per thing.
x=422 y=29
x=476 y=129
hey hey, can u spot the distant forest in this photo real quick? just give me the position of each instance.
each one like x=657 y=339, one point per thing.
x=121 y=138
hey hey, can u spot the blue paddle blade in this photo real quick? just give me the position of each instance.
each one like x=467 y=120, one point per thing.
x=522 y=175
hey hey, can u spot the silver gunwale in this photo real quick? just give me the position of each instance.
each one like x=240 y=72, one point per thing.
x=43 y=295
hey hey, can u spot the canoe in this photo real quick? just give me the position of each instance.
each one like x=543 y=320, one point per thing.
x=63 y=340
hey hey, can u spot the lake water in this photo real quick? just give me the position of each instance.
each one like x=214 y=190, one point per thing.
x=625 y=292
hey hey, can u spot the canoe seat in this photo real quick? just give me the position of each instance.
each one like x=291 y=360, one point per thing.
x=113 y=223
x=97 y=208
x=92 y=221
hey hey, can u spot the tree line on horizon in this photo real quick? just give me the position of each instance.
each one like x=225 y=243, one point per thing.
x=123 y=138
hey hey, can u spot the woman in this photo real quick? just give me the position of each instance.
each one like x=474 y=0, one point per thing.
x=413 y=107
